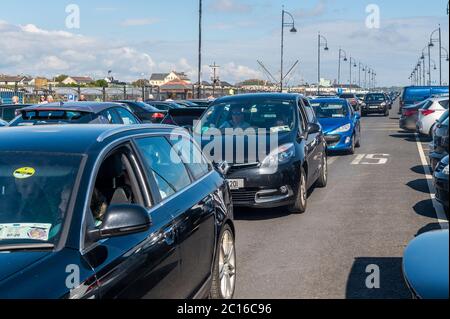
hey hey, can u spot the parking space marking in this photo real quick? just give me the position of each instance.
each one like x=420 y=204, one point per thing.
x=440 y=214
x=371 y=159
x=331 y=160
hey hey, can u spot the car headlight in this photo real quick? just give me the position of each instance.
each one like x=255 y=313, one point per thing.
x=279 y=156
x=342 y=129
x=363 y=104
x=383 y=104
x=445 y=170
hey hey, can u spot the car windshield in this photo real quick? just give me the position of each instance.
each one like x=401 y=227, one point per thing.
x=272 y=115
x=375 y=98
x=347 y=96
x=330 y=109
x=35 y=190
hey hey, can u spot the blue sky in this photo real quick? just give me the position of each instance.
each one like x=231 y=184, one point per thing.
x=138 y=37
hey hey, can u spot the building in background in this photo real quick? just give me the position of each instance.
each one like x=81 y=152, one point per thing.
x=159 y=79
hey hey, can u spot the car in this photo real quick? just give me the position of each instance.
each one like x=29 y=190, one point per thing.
x=414 y=94
x=389 y=100
x=189 y=104
x=9 y=111
x=75 y=112
x=3 y=123
x=276 y=153
x=340 y=123
x=145 y=112
x=183 y=117
x=441 y=182
x=201 y=102
x=166 y=105
x=439 y=146
x=352 y=99
x=113 y=212
x=429 y=114
x=409 y=116
x=425 y=265
x=375 y=103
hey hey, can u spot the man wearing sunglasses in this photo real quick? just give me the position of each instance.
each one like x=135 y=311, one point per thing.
x=237 y=119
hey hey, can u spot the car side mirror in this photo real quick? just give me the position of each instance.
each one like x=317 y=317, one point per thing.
x=223 y=167
x=122 y=220
x=313 y=128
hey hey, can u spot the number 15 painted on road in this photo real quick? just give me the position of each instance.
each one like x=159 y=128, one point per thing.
x=371 y=159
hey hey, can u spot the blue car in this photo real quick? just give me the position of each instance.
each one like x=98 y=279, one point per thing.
x=340 y=123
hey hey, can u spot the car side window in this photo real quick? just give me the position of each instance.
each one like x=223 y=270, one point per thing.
x=164 y=165
x=302 y=117
x=110 y=116
x=444 y=104
x=192 y=157
x=126 y=116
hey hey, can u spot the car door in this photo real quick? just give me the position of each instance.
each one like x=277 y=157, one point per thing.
x=356 y=122
x=141 y=265
x=197 y=224
x=313 y=145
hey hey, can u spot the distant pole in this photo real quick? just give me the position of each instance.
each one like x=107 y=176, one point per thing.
x=199 y=80
x=440 y=56
x=429 y=65
x=282 y=49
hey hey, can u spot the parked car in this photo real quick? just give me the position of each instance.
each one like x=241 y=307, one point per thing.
x=425 y=265
x=409 y=116
x=429 y=114
x=3 y=123
x=375 y=103
x=101 y=211
x=166 y=105
x=9 y=111
x=352 y=99
x=75 y=113
x=188 y=103
x=439 y=146
x=145 y=112
x=441 y=182
x=201 y=102
x=183 y=117
x=414 y=94
x=340 y=123
x=280 y=174
x=389 y=100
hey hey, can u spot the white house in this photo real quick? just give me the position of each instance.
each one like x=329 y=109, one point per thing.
x=159 y=79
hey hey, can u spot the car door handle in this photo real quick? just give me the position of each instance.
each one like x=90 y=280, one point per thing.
x=169 y=235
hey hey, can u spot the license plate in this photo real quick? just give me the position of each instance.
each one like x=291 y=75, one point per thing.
x=236 y=183
x=374 y=107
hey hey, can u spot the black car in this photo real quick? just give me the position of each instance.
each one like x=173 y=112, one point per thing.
x=375 y=103
x=441 y=182
x=183 y=117
x=112 y=211
x=145 y=112
x=201 y=102
x=9 y=111
x=276 y=154
x=439 y=146
x=75 y=113
x=165 y=105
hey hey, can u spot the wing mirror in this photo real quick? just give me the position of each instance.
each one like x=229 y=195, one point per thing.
x=314 y=128
x=122 y=220
x=223 y=167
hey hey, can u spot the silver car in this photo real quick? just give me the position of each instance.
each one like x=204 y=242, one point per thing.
x=430 y=113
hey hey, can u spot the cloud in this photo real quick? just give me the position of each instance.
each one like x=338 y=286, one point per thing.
x=139 y=22
x=229 y=6
x=319 y=9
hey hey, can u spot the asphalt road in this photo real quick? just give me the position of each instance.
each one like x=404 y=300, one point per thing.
x=366 y=216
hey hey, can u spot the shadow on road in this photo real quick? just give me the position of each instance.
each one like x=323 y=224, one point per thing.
x=425 y=208
x=259 y=214
x=419 y=169
x=392 y=284
x=420 y=185
x=428 y=228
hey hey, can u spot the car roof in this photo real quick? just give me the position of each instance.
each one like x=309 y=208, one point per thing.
x=326 y=99
x=256 y=96
x=90 y=107
x=73 y=138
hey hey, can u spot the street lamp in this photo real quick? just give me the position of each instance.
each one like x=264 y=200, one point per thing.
x=446 y=52
x=292 y=30
x=431 y=44
x=339 y=66
x=351 y=66
x=320 y=44
x=359 y=72
x=199 y=79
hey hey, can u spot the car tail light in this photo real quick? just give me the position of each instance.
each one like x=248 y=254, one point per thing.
x=409 y=112
x=426 y=112
x=158 y=116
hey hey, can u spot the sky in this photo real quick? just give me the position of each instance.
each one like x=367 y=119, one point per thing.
x=136 y=38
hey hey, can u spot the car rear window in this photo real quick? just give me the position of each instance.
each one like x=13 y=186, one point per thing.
x=444 y=104
x=42 y=117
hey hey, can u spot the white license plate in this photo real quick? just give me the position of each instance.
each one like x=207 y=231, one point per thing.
x=236 y=183
x=374 y=107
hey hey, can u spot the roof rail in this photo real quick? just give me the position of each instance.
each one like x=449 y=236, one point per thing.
x=129 y=128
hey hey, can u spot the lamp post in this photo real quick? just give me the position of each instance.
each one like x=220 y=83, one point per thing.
x=339 y=65
x=199 y=79
x=320 y=44
x=292 y=30
x=366 y=68
x=351 y=66
x=359 y=76
x=431 y=44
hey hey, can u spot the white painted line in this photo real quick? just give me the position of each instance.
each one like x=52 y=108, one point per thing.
x=331 y=160
x=440 y=213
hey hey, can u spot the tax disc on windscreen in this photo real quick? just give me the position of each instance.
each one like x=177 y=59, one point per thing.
x=24 y=172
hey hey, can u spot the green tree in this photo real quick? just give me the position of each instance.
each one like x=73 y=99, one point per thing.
x=61 y=78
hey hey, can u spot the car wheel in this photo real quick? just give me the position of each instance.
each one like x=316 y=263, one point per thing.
x=358 y=143
x=351 y=151
x=363 y=114
x=386 y=113
x=224 y=273
x=323 y=178
x=301 y=198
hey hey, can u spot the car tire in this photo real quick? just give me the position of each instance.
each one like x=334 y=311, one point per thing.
x=363 y=114
x=322 y=181
x=225 y=263
x=386 y=113
x=300 y=204
x=351 y=151
x=358 y=143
